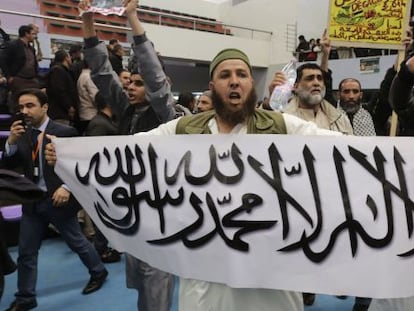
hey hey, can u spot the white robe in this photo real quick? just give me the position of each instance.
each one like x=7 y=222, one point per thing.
x=396 y=304
x=208 y=296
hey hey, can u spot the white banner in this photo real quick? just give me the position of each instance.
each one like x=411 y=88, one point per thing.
x=315 y=214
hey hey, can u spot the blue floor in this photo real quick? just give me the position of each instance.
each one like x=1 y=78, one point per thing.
x=62 y=277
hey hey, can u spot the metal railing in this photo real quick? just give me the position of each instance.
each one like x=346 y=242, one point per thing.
x=167 y=19
x=291 y=34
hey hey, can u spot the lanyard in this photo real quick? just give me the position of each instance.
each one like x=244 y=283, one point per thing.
x=36 y=150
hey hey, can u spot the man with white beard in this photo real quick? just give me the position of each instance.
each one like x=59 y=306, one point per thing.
x=309 y=104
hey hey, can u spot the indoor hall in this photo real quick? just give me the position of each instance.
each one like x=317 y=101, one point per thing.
x=199 y=32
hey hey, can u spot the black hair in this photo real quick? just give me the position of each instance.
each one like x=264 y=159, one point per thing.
x=348 y=79
x=100 y=101
x=124 y=70
x=116 y=48
x=24 y=29
x=75 y=48
x=60 y=56
x=299 y=70
x=185 y=99
x=40 y=95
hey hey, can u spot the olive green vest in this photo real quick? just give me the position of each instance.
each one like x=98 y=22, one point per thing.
x=262 y=122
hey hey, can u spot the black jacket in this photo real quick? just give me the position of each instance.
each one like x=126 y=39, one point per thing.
x=6 y=38
x=402 y=100
x=14 y=58
x=146 y=121
x=62 y=92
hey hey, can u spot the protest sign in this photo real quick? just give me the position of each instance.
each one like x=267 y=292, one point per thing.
x=368 y=23
x=107 y=7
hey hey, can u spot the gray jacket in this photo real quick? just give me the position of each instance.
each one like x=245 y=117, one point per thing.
x=338 y=122
x=158 y=90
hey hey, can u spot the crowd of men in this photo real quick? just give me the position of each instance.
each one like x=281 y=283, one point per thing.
x=96 y=95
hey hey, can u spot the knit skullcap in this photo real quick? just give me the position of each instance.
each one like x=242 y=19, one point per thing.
x=228 y=54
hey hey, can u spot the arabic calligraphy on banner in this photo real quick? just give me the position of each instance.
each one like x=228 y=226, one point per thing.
x=327 y=214
x=368 y=23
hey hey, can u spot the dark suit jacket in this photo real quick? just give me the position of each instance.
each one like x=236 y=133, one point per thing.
x=62 y=92
x=23 y=158
x=15 y=58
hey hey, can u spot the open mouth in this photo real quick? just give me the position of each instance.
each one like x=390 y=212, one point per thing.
x=234 y=95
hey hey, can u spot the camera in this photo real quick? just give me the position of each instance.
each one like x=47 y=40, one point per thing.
x=20 y=116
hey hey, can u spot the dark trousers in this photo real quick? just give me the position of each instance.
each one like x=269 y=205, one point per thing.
x=100 y=241
x=7 y=264
x=33 y=227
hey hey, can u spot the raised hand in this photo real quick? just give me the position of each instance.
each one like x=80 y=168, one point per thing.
x=326 y=42
x=130 y=6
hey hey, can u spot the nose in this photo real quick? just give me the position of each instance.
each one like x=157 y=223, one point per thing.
x=316 y=81
x=234 y=80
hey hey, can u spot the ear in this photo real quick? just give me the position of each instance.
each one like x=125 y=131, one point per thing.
x=361 y=95
x=295 y=86
x=45 y=107
x=211 y=85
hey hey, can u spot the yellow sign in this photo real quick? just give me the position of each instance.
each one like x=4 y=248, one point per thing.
x=368 y=23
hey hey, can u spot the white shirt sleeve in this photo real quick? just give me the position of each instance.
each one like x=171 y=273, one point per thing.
x=9 y=150
x=295 y=125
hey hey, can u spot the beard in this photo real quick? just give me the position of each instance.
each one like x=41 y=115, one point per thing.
x=231 y=116
x=308 y=98
x=350 y=107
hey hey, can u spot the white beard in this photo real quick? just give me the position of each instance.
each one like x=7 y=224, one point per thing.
x=310 y=99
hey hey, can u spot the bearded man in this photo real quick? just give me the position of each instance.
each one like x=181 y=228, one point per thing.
x=234 y=100
x=350 y=97
x=309 y=104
